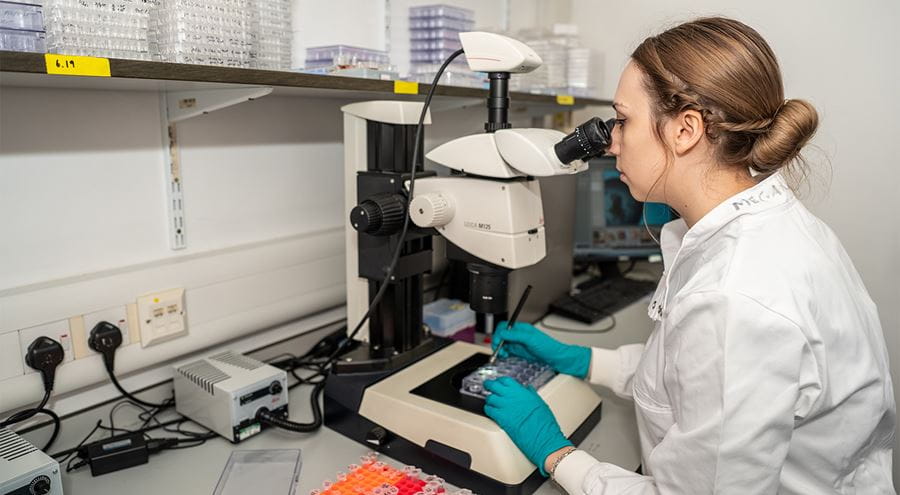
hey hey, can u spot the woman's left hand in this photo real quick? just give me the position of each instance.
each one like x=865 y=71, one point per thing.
x=526 y=418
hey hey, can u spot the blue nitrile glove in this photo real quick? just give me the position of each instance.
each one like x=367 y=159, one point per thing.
x=525 y=341
x=526 y=418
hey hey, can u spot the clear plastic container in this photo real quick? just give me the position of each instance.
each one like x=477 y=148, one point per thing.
x=22 y=41
x=434 y=34
x=440 y=23
x=525 y=372
x=20 y=16
x=448 y=317
x=440 y=10
x=435 y=44
x=275 y=472
x=114 y=28
x=432 y=56
x=344 y=55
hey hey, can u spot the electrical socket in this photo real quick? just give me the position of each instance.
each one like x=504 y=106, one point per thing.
x=57 y=330
x=118 y=316
x=162 y=316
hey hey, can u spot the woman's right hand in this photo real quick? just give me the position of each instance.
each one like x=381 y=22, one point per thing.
x=527 y=342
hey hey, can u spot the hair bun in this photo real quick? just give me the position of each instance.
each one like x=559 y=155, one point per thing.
x=793 y=125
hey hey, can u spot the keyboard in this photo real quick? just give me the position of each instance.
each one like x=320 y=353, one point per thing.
x=600 y=298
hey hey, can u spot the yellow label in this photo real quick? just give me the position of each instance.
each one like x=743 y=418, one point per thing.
x=75 y=65
x=406 y=88
x=565 y=100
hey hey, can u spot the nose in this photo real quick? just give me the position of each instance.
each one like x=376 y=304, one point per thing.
x=615 y=133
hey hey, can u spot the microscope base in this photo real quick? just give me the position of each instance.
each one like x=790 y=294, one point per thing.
x=395 y=414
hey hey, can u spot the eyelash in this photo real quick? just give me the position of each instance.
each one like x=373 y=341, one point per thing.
x=620 y=122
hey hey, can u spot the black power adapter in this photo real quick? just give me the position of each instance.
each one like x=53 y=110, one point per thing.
x=122 y=451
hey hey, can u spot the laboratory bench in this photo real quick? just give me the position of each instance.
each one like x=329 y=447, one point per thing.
x=326 y=452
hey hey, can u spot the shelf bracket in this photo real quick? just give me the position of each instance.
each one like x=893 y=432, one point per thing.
x=176 y=106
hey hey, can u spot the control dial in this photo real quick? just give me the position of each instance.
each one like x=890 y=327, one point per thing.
x=40 y=486
x=275 y=388
x=381 y=214
x=431 y=210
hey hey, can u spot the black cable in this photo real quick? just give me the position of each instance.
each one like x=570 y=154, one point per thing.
x=165 y=404
x=27 y=413
x=267 y=417
x=56 y=426
x=68 y=452
x=105 y=338
x=412 y=182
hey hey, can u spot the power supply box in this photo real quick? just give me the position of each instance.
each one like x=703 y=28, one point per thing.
x=25 y=469
x=225 y=391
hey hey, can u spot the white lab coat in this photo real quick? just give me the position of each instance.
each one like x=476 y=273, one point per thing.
x=767 y=371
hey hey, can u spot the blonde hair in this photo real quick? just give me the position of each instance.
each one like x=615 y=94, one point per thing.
x=725 y=70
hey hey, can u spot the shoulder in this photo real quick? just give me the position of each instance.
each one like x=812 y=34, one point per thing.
x=770 y=259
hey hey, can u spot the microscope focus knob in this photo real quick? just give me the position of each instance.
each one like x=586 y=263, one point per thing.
x=382 y=214
x=431 y=210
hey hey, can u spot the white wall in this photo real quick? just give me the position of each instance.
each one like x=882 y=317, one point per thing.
x=844 y=57
x=84 y=220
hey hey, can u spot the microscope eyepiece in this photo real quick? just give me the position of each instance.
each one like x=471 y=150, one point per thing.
x=590 y=139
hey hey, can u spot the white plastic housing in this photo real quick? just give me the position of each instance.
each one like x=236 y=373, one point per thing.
x=506 y=153
x=476 y=154
x=391 y=404
x=530 y=151
x=498 y=221
x=490 y=52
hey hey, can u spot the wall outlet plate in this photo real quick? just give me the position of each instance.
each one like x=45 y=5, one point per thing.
x=162 y=316
x=57 y=330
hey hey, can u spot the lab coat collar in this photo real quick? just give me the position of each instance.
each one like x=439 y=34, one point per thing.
x=676 y=239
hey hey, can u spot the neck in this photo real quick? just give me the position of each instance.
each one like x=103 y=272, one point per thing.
x=702 y=192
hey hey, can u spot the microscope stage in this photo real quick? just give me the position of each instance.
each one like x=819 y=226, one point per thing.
x=422 y=403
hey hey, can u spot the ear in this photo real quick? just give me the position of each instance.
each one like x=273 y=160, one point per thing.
x=685 y=131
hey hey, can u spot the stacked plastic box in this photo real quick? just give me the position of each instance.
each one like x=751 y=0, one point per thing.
x=113 y=28
x=345 y=56
x=22 y=27
x=344 y=60
x=271 y=34
x=208 y=32
x=566 y=65
x=434 y=36
x=578 y=71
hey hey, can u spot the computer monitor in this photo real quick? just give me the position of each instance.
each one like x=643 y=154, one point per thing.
x=609 y=223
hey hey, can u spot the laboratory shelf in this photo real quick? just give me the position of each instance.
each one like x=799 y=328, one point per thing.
x=20 y=69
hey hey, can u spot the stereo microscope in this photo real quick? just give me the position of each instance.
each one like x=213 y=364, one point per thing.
x=399 y=390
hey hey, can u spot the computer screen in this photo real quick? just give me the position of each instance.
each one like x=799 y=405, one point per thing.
x=609 y=223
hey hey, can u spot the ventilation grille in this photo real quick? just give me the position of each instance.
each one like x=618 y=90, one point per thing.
x=203 y=374
x=12 y=446
x=237 y=360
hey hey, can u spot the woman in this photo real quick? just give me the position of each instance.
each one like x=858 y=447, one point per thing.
x=767 y=371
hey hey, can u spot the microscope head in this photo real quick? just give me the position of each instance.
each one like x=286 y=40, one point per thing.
x=490 y=52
